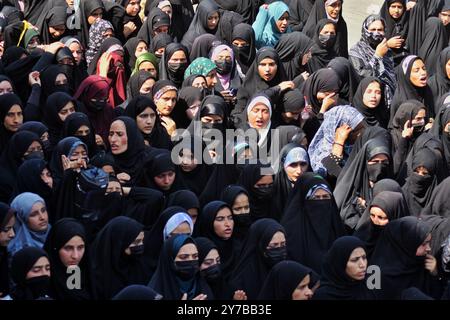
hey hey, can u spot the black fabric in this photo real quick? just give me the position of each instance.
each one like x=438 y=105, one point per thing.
x=137 y=292
x=72 y=123
x=160 y=41
x=350 y=79
x=439 y=227
x=112 y=269
x=166 y=280
x=7 y=101
x=155 y=19
x=439 y=83
x=377 y=116
x=144 y=205
x=228 y=20
x=395 y=254
x=311 y=225
x=335 y=284
x=5 y=217
x=130 y=50
x=442 y=119
x=202 y=45
x=86 y=8
x=282 y=280
x=185 y=199
x=417 y=19
x=354 y=182
x=159 y=137
x=291 y=49
x=245 y=55
x=135 y=83
x=393 y=205
x=323 y=80
x=435 y=39
x=321 y=54
x=164 y=72
x=299 y=12
x=252 y=267
x=21 y=264
x=61 y=233
x=438 y=204
x=248 y=9
x=56 y=16
x=75 y=73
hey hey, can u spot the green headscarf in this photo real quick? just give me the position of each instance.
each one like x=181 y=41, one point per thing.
x=147 y=56
x=201 y=66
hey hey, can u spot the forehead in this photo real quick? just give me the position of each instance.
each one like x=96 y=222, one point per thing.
x=118 y=125
x=223 y=212
x=188 y=248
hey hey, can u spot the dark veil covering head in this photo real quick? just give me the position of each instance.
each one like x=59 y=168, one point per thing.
x=245 y=55
x=137 y=292
x=282 y=280
x=350 y=79
x=439 y=83
x=435 y=39
x=29 y=179
x=320 y=55
x=335 y=284
x=73 y=123
x=311 y=225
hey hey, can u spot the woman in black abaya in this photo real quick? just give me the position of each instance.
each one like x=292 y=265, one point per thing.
x=244 y=54
x=7 y=221
x=322 y=51
x=401 y=253
x=299 y=12
x=264 y=247
x=66 y=246
x=187 y=200
x=441 y=130
x=384 y=208
x=343 y=272
x=312 y=221
x=116 y=257
x=350 y=79
x=438 y=204
x=439 y=83
x=174 y=71
x=87 y=9
x=11 y=117
x=78 y=125
x=435 y=39
x=369 y=101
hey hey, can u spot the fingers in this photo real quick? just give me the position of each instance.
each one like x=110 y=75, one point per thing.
x=200 y=297
x=407 y=124
x=184 y=297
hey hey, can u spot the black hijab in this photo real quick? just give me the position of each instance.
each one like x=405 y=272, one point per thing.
x=7 y=101
x=28 y=289
x=438 y=128
x=135 y=83
x=155 y=19
x=355 y=181
x=243 y=221
x=246 y=54
x=435 y=39
x=86 y=8
x=407 y=91
x=75 y=73
x=311 y=225
x=158 y=138
x=350 y=79
x=282 y=280
x=299 y=12
x=393 y=205
x=203 y=45
x=61 y=233
x=6 y=213
x=56 y=16
x=291 y=48
x=165 y=73
x=112 y=269
x=321 y=55
x=48 y=80
x=161 y=40
x=395 y=254
x=72 y=123
x=418 y=189
x=335 y=284
x=377 y=116
x=439 y=83
x=253 y=266
x=324 y=80
x=185 y=199
x=137 y=292
x=127 y=18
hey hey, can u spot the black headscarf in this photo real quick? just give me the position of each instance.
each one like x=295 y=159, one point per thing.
x=299 y=12
x=164 y=72
x=127 y=18
x=185 y=199
x=407 y=91
x=155 y=19
x=318 y=13
x=253 y=265
x=135 y=83
x=203 y=45
x=130 y=50
x=282 y=280
x=440 y=230
x=393 y=205
x=244 y=55
x=137 y=292
x=6 y=213
x=242 y=221
x=199 y=24
x=161 y=40
x=354 y=182
x=439 y=83
x=86 y=8
x=166 y=279
x=350 y=79
x=395 y=255
x=320 y=54
x=55 y=17
x=48 y=80
x=112 y=269
x=443 y=117
x=435 y=39
x=72 y=123
x=75 y=73
x=311 y=225
x=335 y=284
x=324 y=80
x=7 y=101
x=291 y=48
x=158 y=138
x=377 y=116
x=418 y=189
x=61 y=233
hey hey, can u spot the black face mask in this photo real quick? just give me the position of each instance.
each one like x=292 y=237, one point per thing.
x=223 y=66
x=137 y=250
x=177 y=69
x=375 y=38
x=418 y=129
x=377 y=171
x=211 y=273
x=217 y=126
x=245 y=49
x=419 y=184
x=63 y=88
x=275 y=255
x=186 y=270
x=263 y=193
x=242 y=220
x=38 y=286
x=97 y=106
x=46 y=145
x=327 y=40
x=34 y=155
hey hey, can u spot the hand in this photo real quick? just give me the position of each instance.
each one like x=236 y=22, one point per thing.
x=123 y=177
x=227 y=96
x=342 y=133
x=429 y=125
x=75 y=165
x=328 y=101
x=305 y=75
x=395 y=42
x=169 y=124
x=431 y=264
x=410 y=5
x=129 y=28
x=34 y=78
x=265 y=6
x=240 y=295
x=201 y=296
x=362 y=202
x=53 y=47
x=407 y=130
x=285 y=85
x=104 y=62
x=99 y=140
x=382 y=48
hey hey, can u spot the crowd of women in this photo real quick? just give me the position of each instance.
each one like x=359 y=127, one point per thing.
x=104 y=195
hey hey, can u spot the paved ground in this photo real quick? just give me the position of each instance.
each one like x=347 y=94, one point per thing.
x=355 y=11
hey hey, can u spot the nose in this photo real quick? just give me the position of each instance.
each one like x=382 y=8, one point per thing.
x=11 y=233
x=76 y=254
x=308 y=292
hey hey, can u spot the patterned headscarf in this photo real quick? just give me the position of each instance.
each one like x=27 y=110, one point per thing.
x=96 y=38
x=201 y=66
